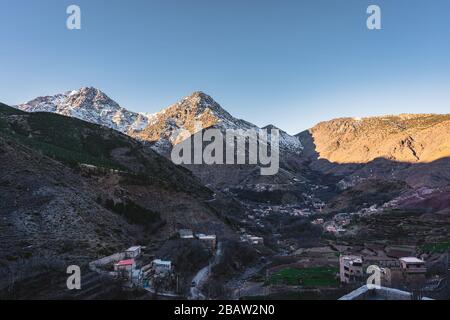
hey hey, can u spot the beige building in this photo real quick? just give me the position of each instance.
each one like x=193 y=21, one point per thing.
x=413 y=265
x=414 y=272
x=209 y=240
x=350 y=268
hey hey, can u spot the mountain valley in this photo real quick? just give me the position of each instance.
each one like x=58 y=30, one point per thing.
x=83 y=178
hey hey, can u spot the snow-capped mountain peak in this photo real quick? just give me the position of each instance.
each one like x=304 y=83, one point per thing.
x=188 y=113
x=287 y=141
x=92 y=105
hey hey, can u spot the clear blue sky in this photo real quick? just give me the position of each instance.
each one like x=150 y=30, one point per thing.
x=290 y=63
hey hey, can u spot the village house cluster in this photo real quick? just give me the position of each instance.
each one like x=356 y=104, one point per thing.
x=249 y=238
x=92 y=169
x=396 y=276
x=337 y=224
x=407 y=272
x=255 y=240
x=209 y=240
x=154 y=274
x=133 y=268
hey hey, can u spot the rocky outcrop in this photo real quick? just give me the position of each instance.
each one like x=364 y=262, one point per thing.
x=411 y=148
x=405 y=138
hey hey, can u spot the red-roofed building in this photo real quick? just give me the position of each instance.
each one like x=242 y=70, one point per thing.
x=126 y=262
x=125 y=268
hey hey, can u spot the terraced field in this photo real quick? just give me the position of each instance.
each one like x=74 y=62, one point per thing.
x=308 y=277
x=402 y=227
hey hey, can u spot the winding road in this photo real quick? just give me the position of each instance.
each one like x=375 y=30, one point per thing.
x=202 y=275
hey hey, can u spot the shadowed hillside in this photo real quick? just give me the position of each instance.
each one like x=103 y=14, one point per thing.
x=53 y=212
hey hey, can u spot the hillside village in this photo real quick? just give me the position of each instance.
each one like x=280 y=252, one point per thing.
x=334 y=268
x=137 y=268
x=207 y=232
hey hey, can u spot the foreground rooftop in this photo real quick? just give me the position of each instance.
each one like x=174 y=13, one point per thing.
x=382 y=293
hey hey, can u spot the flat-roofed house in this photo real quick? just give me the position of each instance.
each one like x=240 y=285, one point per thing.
x=208 y=240
x=252 y=239
x=414 y=271
x=256 y=240
x=124 y=268
x=412 y=265
x=186 y=234
x=133 y=252
x=161 y=266
x=318 y=221
x=88 y=168
x=350 y=268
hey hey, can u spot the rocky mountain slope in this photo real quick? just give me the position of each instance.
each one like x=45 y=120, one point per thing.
x=72 y=191
x=172 y=125
x=194 y=113
x=92 y=105
x=407 y=138
x=191 y=114
x=414 y=149
x=408 y=148
x=197 y=112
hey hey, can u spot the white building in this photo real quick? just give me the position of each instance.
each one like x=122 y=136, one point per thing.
x=252 y=239
x=161 y=266
x=256 y=240
x=133 y=252
x=209 y=240
x=186 y=234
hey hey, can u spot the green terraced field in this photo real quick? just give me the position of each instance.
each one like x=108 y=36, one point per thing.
x=310 y=277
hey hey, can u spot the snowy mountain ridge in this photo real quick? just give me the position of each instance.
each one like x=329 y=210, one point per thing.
x=199 y=109
x=161 y=128
x=91 y=105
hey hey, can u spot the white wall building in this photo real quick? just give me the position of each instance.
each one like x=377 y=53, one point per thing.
x=186 y=234
x=133 y=252
x=161 y=265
